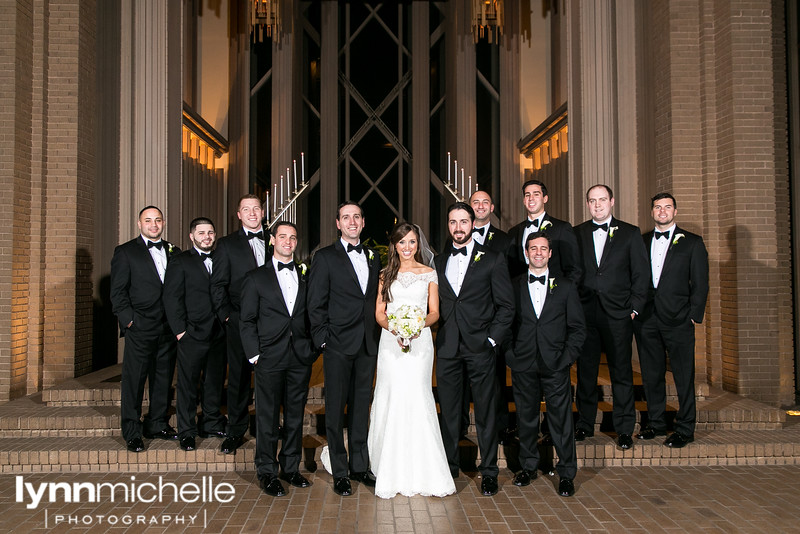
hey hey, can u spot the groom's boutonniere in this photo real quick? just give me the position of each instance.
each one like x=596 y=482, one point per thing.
x=478 y=256
x=544 y=225
x=490 y=236
x=553 y=285
x=612 y=230
x=677 y=238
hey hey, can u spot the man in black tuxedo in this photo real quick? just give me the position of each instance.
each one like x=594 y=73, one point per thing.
x=676 y=302
x=237 y=254
x=277 y=340
x=342 y=289
x=486 y=234
x=613 y=291
x=200 y=335
x=137 y=278
x=476 y=309
x=548 y=334
x=566 y=256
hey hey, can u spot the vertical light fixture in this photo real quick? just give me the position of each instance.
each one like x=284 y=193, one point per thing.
x=487 y=19
x=266 y=18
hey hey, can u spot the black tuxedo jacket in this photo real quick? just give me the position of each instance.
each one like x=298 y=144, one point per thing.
x=620 y=282
x=136 y=289
x=233 y=258
x=265 y=323
x=187 y=297
x=566 y=258
x=483 y=309
x=557 y=335
x=341 y=315
x=495 y=239
x=683 y=286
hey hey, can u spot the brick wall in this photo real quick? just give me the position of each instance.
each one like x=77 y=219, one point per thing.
x=721 y=147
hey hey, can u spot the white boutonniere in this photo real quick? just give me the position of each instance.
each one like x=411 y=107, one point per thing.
x=545 y=225
x=490 y=236
x=553 y=285
x=370 y=254
x=478 y=256
x=303 y=268
x=677 y=238
x=612 y=230
x=169 y=247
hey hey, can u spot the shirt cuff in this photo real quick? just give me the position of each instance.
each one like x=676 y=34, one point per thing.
x=492 y=342
x=254 y=359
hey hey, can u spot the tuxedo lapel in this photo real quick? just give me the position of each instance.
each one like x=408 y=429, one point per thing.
x=251 y=255
x=349 y=264
x=148 y=258
x=610 y=240
x=441 y=267
x=475 y=258
x=199 y=263
x=672 y=245
x=527 y=303
x=274 y=287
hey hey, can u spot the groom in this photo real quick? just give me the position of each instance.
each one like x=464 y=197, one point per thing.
x=342 y=289
x=476 y=307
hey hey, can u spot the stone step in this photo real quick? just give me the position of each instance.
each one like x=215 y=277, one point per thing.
x=108 y=454
x=101 y=388
x=32 y=417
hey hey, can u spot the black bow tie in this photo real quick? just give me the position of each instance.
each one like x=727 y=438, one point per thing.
x=289 y=266
x=534 y=223
x=454 y=251
x=662 y=234
x=259 y=234
x=603 y=227
x=358 y=248
x=157 y=244
x=204 y=255
x=478 y=230
x=541 y=279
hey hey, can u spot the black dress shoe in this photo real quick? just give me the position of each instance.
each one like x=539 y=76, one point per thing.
x=296 y=479
x=581 y=434
x=135 y=445
x=165 y=433
x=212 y=434
x=678 y=440
x=231 y=443
x=188 y=444
x=625 y=441
x=524 y=477
x=365 y=477
x=341 y=486
x=489 y=485
x=650 y=433
x=272 y=486
x=566 y=488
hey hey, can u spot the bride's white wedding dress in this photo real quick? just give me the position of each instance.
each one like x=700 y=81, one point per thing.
x=405 y=443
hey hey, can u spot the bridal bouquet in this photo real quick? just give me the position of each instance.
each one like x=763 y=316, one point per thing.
x=407 y=321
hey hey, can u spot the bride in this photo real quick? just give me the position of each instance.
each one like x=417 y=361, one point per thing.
x=405 y=443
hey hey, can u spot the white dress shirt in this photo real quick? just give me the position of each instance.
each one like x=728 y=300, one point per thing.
x=359 y=261
x=287 y=279
x=206 y=261
x=658 y=253
x=538 y=292
x=259 y=248
x=600 y=237
x=457 y=267
x=159 y=256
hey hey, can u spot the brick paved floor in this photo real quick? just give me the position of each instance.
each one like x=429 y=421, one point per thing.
x=629 y=499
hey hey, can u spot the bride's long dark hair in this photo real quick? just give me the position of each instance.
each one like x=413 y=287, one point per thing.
x=389 y=273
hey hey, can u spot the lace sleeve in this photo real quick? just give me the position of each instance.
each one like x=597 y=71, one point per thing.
x=432 y=277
